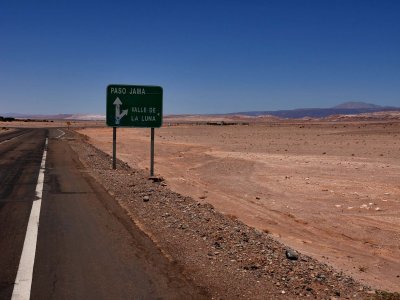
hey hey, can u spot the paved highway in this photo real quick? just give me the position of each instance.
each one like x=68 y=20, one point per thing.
x=85 y=246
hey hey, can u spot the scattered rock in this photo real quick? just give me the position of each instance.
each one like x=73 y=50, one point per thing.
x=156 y=178
x=217 y=245
x=321 y=277
x=291 y=254
x=183 y=226
x=252 y=267
x=146 y=198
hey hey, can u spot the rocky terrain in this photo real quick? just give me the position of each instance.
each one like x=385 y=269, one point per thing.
x=376 y=116
x=218 y=252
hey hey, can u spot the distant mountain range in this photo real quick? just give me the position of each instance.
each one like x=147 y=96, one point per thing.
x=347 y=108
x=55 y=117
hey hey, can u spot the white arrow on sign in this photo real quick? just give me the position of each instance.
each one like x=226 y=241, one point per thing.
x=118 y=114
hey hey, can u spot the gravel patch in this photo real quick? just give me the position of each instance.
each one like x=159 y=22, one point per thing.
x=219 y=253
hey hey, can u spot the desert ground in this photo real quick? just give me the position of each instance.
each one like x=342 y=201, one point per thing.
x=331 y=190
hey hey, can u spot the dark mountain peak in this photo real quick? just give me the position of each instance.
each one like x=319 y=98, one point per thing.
x=347 y=108
x=356 y=105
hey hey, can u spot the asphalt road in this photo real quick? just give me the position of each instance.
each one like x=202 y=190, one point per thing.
x=87 y=247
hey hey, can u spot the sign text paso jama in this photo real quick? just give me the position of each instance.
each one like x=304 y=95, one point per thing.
x=130 y=91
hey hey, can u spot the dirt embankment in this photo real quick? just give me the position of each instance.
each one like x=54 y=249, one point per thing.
x=218 y=252
x=5 y=129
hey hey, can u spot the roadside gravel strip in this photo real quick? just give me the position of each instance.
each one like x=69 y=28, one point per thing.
x=220 y=254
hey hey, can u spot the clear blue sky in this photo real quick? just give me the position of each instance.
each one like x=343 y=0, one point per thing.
x=209 y=56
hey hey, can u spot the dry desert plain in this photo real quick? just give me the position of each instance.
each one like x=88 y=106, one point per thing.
x=328 y=189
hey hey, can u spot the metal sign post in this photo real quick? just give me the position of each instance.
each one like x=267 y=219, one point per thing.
x=114 y=148
x=152 y=153
x=134 y=106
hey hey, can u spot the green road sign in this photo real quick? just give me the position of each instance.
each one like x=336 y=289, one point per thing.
x=134 y=106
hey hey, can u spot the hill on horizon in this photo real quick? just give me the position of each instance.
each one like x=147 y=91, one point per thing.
x=357 y=105
x=82 y=117
x=346 y=108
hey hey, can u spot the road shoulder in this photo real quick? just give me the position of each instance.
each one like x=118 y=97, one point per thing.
x=87 y=246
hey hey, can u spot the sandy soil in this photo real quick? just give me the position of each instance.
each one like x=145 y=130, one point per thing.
x=223 y=257
x=332 y=191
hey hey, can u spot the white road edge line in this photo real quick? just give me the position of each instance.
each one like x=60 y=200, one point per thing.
x=62 y=133
x=23 y=281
